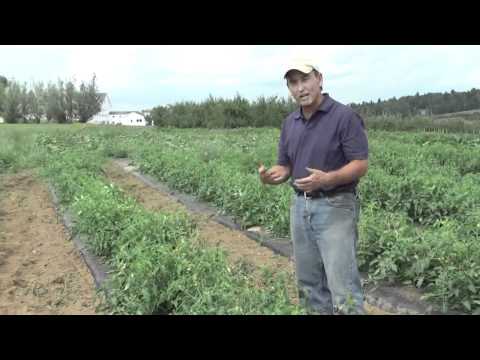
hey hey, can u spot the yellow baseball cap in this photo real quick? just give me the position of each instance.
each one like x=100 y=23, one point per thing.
x=305 y=66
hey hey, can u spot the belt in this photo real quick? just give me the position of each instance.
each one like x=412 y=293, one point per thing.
x=321 y=194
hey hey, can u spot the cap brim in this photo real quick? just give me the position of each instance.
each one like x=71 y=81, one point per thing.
x=306 y=69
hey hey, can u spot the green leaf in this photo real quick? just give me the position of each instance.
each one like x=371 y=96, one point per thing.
x=467 y=305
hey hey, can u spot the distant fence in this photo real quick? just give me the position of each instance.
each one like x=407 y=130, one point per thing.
x=423 y=124
x=449 y=131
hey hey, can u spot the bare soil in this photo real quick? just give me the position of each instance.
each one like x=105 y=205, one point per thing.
x=41 y=272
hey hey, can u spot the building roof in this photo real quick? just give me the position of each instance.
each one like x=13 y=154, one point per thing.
x=124 y=112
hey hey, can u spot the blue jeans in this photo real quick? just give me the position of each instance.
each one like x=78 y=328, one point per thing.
x=324 y=233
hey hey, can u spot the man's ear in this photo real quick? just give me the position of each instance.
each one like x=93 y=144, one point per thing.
x=320 y=78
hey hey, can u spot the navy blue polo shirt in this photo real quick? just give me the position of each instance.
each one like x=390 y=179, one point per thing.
x=332 y=137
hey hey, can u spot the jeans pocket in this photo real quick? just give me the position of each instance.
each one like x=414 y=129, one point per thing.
x=342 y=201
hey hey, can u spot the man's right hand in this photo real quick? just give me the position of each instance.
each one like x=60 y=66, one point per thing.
x=275 y=175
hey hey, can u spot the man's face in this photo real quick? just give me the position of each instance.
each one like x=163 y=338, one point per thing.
x=305 y=88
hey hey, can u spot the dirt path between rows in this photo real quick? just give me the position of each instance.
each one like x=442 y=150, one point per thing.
x=238 y=246
x=41 y=272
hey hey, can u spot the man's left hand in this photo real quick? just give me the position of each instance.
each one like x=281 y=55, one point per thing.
x=317 y=179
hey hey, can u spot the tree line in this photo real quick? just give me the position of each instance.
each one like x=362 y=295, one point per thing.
x=239 y=112
x=427 y=104
x=224 y=113
x=62 y=102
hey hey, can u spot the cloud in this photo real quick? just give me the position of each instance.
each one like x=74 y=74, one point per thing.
x=114 y=66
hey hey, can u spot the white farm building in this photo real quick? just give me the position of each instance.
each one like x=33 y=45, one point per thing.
x=128 y=118
x=108 y=117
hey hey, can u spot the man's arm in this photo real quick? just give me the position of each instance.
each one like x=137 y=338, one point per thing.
x=319 y=179
x=354 y=170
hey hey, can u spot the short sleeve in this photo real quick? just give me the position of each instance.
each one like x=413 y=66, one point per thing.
x=353 y=138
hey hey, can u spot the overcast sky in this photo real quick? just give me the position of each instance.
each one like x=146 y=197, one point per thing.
x=141 y=77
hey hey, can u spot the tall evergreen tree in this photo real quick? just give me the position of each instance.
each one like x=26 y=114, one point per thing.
x=89 y=100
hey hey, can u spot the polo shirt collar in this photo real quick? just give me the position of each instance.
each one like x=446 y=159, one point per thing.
x=325 y=107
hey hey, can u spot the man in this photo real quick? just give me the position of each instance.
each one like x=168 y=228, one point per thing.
x=323 y=147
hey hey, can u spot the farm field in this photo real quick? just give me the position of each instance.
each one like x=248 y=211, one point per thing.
x=420 y=220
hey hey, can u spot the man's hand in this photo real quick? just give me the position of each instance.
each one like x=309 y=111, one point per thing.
x=275 y=175
x=317 y=179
